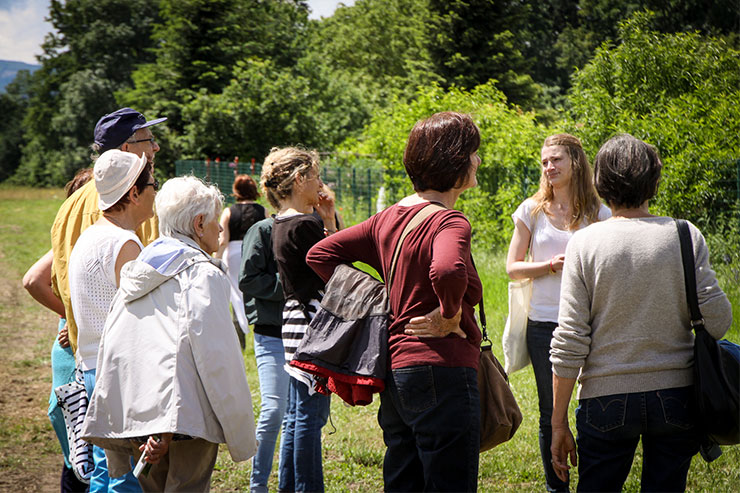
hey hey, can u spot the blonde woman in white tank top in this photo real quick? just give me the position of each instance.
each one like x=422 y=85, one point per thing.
x=565 y=202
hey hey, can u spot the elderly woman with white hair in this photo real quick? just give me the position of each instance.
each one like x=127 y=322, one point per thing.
x=171 y=379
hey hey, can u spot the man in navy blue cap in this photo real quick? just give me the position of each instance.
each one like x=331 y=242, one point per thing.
x=126 y=129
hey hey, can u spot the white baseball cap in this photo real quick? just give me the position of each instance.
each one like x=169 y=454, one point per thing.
x=115 y=173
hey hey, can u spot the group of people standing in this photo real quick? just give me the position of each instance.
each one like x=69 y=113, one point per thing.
x=156 y=341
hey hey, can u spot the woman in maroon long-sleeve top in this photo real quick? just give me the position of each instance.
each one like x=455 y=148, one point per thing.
x=429 y=411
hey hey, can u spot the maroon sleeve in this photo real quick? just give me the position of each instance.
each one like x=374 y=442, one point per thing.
x=449 y=268
x=344 y=247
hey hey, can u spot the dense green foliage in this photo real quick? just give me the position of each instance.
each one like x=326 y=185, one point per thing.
x=509 y=151
x=237 y=77
x=679 y=92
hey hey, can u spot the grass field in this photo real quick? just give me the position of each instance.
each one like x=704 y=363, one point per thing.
x=353 y=448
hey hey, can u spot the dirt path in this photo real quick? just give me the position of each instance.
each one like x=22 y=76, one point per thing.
x=30 y=457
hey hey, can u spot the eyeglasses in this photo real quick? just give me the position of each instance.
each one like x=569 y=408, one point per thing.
x=154 y=185
x=142 y=140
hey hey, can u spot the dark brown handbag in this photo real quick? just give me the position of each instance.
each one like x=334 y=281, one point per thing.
x=500 y=415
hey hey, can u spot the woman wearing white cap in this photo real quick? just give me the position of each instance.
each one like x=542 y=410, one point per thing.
x=126 y=188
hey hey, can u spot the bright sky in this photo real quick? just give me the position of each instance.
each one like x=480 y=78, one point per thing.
x=22 y=25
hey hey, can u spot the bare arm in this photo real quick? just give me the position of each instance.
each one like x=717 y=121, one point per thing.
x=516 y=265
x=223 y=237
x=129 y=251
x=563 y=445
x=37 y=281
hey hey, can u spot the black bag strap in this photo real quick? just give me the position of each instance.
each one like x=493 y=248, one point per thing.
x=485 y=341
x=418 y=218
x=689 y=274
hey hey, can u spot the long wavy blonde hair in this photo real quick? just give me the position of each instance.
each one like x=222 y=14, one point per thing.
x=584 y=202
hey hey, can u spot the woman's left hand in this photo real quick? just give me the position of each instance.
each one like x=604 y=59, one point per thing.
x=433 y=324
x=154 y=450
x=563 y=448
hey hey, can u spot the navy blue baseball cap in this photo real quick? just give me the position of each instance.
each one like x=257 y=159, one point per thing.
x=113 y=129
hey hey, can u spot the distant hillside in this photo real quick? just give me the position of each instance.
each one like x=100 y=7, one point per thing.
x=8 y=70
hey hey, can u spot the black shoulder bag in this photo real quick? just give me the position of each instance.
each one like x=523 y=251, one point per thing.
x=716 y=370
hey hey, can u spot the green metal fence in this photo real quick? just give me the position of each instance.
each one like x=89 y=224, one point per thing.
x=356 y=188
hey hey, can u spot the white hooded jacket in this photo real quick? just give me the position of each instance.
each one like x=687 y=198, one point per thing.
x=169 y=359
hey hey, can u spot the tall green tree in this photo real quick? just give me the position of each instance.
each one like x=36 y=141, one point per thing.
x=13 y=105
x=598 y=21
x=473 y=41
x=89 y=55
x=198 y=45
x=266 y=105
x=679 y=92
x=382 y=45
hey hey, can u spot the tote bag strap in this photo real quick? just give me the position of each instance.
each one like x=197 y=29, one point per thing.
x=689 y=274
x=418 y=218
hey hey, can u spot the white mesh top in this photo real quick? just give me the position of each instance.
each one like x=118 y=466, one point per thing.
x=92 y=284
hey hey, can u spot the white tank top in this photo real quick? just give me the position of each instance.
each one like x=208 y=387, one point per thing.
x=92 y=284
x=547 y=242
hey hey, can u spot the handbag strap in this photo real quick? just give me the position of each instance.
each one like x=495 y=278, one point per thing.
x=418 y=218
x=689 y=274
x=482 y=313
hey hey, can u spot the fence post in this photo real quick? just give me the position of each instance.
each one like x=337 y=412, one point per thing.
x=354 y=191
x=369 y=193
x=737 y=182
x=339 y=185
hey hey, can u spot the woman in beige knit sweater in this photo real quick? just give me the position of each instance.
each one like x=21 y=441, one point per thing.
x=623 y=332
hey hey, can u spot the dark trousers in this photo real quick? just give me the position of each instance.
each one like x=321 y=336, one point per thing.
x=69 y=482
x=539 y=335
x=610 y=427
x=430 y=418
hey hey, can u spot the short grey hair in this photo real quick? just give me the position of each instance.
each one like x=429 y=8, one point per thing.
x=183 y=198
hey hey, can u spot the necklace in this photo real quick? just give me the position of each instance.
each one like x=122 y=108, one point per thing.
x=114 y=221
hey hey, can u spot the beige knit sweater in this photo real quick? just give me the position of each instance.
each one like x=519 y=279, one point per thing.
x=624 y=322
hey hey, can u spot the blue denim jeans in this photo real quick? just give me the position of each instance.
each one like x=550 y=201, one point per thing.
x=300 y=466
x=274 y=385
x=609 y=428
x=430 y=417
x=539 y=335
x=99 y=480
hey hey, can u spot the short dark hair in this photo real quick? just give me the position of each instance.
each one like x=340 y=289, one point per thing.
x=438 y=150
x=141 y=182
x=245 y=188
x=626 y=171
